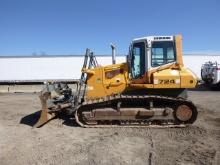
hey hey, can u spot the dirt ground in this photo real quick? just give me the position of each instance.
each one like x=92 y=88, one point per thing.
x=62 y=142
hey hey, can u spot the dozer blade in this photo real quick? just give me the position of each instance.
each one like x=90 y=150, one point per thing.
x=45 y=116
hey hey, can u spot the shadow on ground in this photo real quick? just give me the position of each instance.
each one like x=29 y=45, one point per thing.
x=32 y=119
x=68 y=120
x=203 y=87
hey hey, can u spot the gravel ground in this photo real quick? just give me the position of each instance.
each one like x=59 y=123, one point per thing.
x=62 y=142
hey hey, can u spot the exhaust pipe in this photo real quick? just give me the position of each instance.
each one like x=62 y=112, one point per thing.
x=113 y=53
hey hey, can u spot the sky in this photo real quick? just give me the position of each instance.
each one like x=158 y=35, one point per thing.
x=68 y=27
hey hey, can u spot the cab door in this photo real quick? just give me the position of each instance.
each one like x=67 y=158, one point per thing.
x=138 y=64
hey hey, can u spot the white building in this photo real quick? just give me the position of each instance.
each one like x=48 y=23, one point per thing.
x=43 y=68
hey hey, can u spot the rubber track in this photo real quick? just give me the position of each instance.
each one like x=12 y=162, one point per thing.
x=119 y=97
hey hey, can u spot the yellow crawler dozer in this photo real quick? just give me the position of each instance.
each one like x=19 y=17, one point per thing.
x=148 y=90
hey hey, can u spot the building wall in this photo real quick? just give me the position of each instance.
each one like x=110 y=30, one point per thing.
x=69 y=67
x=44 y=68
x=194 y=62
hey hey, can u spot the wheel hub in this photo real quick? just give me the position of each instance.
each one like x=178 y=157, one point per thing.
x=183 y=113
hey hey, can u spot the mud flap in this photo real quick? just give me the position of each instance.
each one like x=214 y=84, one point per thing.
x=45 y=116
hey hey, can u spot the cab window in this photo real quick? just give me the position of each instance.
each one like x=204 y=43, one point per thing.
x=138 y=60
x=163 y=52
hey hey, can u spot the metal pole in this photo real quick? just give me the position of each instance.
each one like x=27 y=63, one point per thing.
x=113 y=54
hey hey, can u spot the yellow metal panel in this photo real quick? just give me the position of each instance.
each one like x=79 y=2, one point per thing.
x=115 y=78
x=188 y=79
x=179 y=55
x=95 y=86
x=107 y=80
x=168 y=78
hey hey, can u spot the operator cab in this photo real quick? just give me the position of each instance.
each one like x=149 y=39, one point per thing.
x=151 y=52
